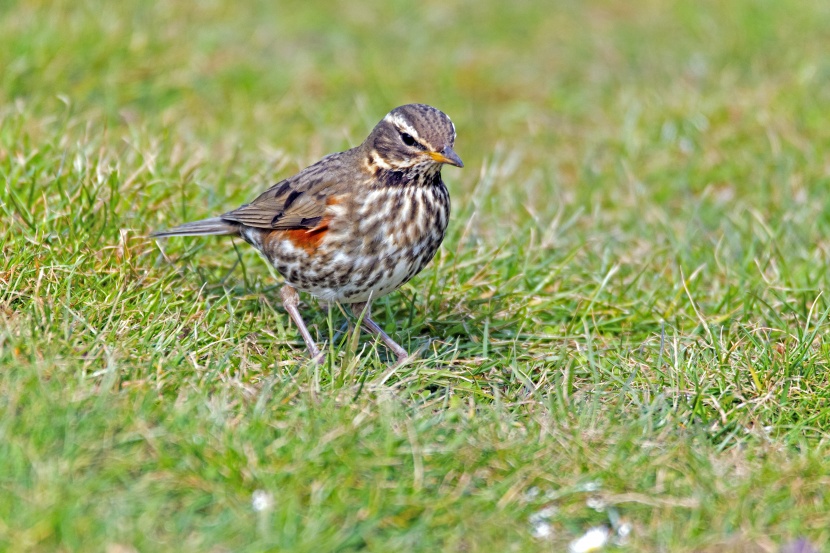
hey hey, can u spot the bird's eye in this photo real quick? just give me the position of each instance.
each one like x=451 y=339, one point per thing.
x=407 y=139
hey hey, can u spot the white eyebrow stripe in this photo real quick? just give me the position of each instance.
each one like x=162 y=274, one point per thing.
x=402 y=124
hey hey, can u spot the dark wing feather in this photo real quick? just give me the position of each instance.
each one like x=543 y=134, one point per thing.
x=299 y=201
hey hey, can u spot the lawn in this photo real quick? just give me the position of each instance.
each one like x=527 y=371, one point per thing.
x=627 y=326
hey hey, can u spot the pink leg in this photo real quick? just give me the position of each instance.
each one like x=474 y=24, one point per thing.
x=373 y=329
x=290 y=299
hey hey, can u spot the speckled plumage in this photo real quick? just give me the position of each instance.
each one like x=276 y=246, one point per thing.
x=358 y=224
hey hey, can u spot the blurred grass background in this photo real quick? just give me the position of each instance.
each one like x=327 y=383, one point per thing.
x=629 y=308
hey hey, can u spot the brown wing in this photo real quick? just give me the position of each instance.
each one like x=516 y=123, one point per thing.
x=298 y=202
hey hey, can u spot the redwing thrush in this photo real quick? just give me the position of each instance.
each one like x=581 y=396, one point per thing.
x=356 y=225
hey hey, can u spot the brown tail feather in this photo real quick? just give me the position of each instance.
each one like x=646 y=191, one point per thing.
x=205 y=227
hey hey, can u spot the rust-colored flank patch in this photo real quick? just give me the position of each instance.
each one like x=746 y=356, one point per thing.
x=308 y=239
x=311 y=233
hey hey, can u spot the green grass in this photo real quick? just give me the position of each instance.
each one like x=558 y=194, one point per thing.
x=627 y=323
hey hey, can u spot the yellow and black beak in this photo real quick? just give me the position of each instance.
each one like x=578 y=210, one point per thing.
x=447 y=155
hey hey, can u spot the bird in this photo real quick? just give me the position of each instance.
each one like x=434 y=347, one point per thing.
x=355 y=225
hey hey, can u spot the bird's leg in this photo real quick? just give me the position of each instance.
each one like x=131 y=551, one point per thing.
x=373 y=329
x=290 y=299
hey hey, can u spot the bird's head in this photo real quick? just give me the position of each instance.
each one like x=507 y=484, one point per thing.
x=414 y=136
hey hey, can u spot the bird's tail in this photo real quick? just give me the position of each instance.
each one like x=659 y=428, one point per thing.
x=205 y=227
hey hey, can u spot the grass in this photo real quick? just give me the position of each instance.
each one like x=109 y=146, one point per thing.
x=627 y=324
